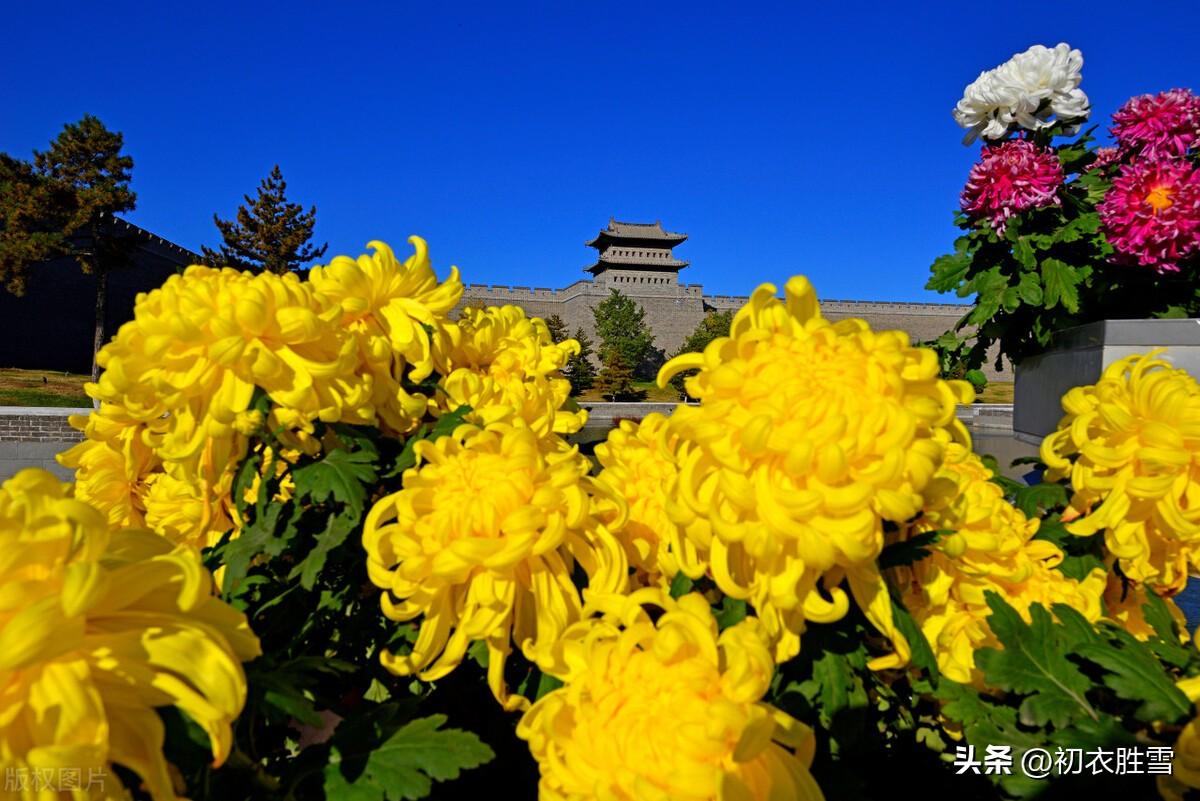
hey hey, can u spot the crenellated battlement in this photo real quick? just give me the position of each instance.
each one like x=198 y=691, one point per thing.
x=674 y=309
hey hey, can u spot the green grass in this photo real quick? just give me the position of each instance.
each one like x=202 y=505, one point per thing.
x=996 y=392
x=42 y=388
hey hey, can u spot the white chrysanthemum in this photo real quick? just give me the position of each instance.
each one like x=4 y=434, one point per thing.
x=1030 y=90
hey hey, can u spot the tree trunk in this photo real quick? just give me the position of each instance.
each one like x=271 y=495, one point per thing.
x=101 y=299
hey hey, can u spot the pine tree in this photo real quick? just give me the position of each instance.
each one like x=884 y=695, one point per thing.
x=621 y=326
x=269 y=233
x=63 y=204
x=557 y=328
x=615 y=381
x=579 y=369
x=715 y=324
x=35 y=215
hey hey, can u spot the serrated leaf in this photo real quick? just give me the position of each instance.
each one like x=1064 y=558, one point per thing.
x=337 y=528
x=1032 y=663
x=913 y=549
x=1061 y=284
x=1023 y=253
x=1037 y=499
x=405 y=765
x=1165 y=642
x=948 y=271
x=841 y=688
x=339 y=475
x=1135 y=675
x=1010 y=299
x=1030 y=289
x=260 y=537
x=989 y=286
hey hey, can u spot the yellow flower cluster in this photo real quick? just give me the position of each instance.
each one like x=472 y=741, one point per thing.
x=638 y=465
x=98 y=628
x=398 y=315
x=988 y=545
x=1130 y=445
x=808 y=436
x=1184 y=779
x=665 y=710
x=481 y=543
x=175 y=417
x=505 y=366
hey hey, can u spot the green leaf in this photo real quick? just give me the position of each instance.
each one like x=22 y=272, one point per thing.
x=1165 y=643
x=1081 y=555
x=841 y=687
x=1010 y=299
x=976 y=378
x=337 y=528
x=1135 y=675
x=1032 y=663
x=680 y=585
x=1061 y=282
x=922 y=654
x=1023 y=253
x=1039 y=498
x=731 y=612
x=1030 y=289
x=948 y=271
x=339 y=475
x=913 y=549
x=259 y=537
x=404 y=765
x=989 y=286
x=293 y=705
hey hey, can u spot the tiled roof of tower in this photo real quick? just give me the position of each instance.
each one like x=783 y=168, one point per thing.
x=628 y=230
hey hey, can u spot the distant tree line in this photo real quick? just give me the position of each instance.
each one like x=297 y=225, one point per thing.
x=63 y=203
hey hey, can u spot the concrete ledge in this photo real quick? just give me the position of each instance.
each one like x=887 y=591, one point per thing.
x=42 y=411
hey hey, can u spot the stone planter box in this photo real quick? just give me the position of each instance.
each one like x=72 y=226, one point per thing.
x=1078 y=356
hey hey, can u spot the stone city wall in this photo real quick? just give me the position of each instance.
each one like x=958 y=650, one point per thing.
x=673 y=310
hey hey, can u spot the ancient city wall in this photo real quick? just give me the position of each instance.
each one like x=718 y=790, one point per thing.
x=673 y=310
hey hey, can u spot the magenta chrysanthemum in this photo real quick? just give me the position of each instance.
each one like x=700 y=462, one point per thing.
x=1151 y=215
x=1159 y=126
x=1104 y=157
x=1011 y=178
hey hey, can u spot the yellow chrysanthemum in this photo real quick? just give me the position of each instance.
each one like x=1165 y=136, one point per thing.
x=505 y=366
x=178 y=381
x=1123 y=602
x=637 y=464
x=1184 y=778
x=809 y=434
x=278 y=466
x=987 y=545
x=98 y=629
x=111 y=467
x=481 y=542
x=387 y=305
x=1131 y=447
x=666 y=710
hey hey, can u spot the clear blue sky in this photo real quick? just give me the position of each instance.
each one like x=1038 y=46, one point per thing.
x=787 y=138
